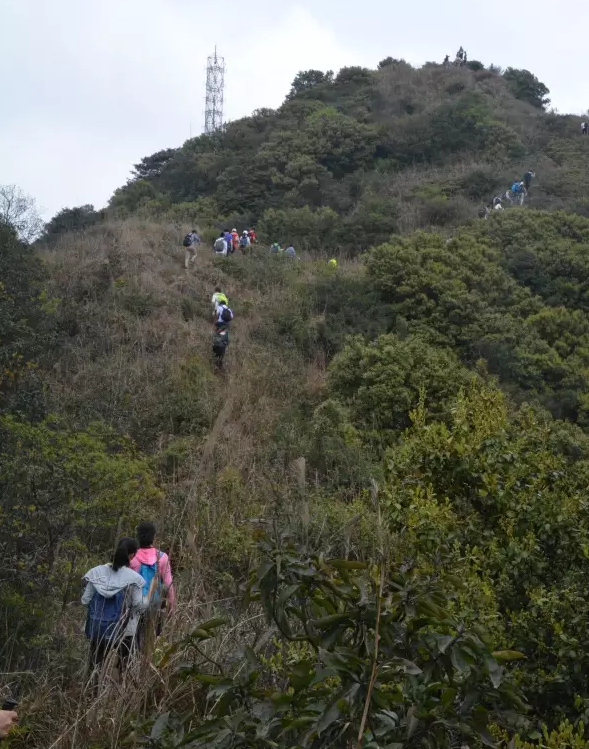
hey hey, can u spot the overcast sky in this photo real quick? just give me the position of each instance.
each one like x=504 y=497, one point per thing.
x=88 y=87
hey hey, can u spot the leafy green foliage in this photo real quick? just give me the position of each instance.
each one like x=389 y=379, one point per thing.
x=381 y=382
x=59 y=492
x=26 y=323
x=70 y=219
x=379 y=661
x=527 y=87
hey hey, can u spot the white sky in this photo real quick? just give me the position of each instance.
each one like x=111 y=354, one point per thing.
x=89 y=87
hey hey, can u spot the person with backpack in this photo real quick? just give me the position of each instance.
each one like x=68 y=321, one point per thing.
x=190 y=243
x=220 y=344
x=252 y=235
x=217 y=298
x=244 y=241
x=234 y=240
x=497 y=203
x=584 y=128
x=290 y=251
x=159 y=594
x=114 y=597
x=275 y=248
x=220 y=245
x=528 y=177
x=224 y=316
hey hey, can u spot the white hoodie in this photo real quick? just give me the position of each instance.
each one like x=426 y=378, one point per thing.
x=105 y=581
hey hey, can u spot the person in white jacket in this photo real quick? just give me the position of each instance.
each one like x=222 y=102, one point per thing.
x=114 y=597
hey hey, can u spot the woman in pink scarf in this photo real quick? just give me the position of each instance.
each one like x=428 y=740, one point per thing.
x=149 y=557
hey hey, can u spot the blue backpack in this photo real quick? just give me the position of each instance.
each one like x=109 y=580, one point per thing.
x=107 y=617
x=516 y=187
x=148 y=572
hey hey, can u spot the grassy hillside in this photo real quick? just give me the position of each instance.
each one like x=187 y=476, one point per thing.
x=347 y=161
x=384 y=493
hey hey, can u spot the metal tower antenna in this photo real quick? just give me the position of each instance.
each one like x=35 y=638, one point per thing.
x=214 y=97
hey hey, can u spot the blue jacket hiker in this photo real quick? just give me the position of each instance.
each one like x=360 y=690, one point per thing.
x=114 y=597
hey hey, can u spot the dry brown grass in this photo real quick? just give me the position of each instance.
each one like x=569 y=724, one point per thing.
x=136 y=334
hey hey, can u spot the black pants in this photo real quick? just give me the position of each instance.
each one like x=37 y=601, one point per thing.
x=101 y=649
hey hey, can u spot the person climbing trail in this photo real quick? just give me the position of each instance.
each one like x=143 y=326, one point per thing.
x=528 y=177
x=290 y=251
x=332 y=263
x=220 y=245
x=584 y=128
x=234 y=240
x=275 y=248
x=223 y=316
x=229 y=240
x=114 y=597
x=220 y=344
x=446 y=62
x=252 y=235
x=190 y=243
x=519 y=192
x=244 y=241
x=483 y=212
x=159 y=595
x=497 y=203
x=218 y=298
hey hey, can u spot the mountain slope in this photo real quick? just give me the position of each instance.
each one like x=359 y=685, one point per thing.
x=370 y=153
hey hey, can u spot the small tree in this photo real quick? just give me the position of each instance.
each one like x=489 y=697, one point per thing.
x=70 y=219
x=527 y=87
x=20 y=211
x=308 y=79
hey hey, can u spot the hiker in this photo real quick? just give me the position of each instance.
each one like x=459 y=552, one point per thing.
x=7 y=720
x=584 y=128
x=244 y=241
x=483 y=212
x=234 y=240
x=518 y=191
x=446 y=62
x=223 y=315
x=114 y=597
x=229 y=239
x=252 y=235
x=290 y=251
x=497 y=204
x=528 y=177
x=217 y=298
x=190 y=242
x=332 y=263
x=220 y=344
x=220 y=245
x=158 y=588
x=275 y=248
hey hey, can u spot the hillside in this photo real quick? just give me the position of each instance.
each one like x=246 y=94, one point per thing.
x=377 y=512
x=350 y=159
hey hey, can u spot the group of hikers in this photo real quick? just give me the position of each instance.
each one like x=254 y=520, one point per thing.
x=460 y=61
x=229 y=242
x=517 y=194
x=127 y=600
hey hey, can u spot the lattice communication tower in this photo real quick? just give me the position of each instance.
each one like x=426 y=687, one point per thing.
x=214 y=97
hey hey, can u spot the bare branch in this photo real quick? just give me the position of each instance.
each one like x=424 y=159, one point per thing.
x=20 y=211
